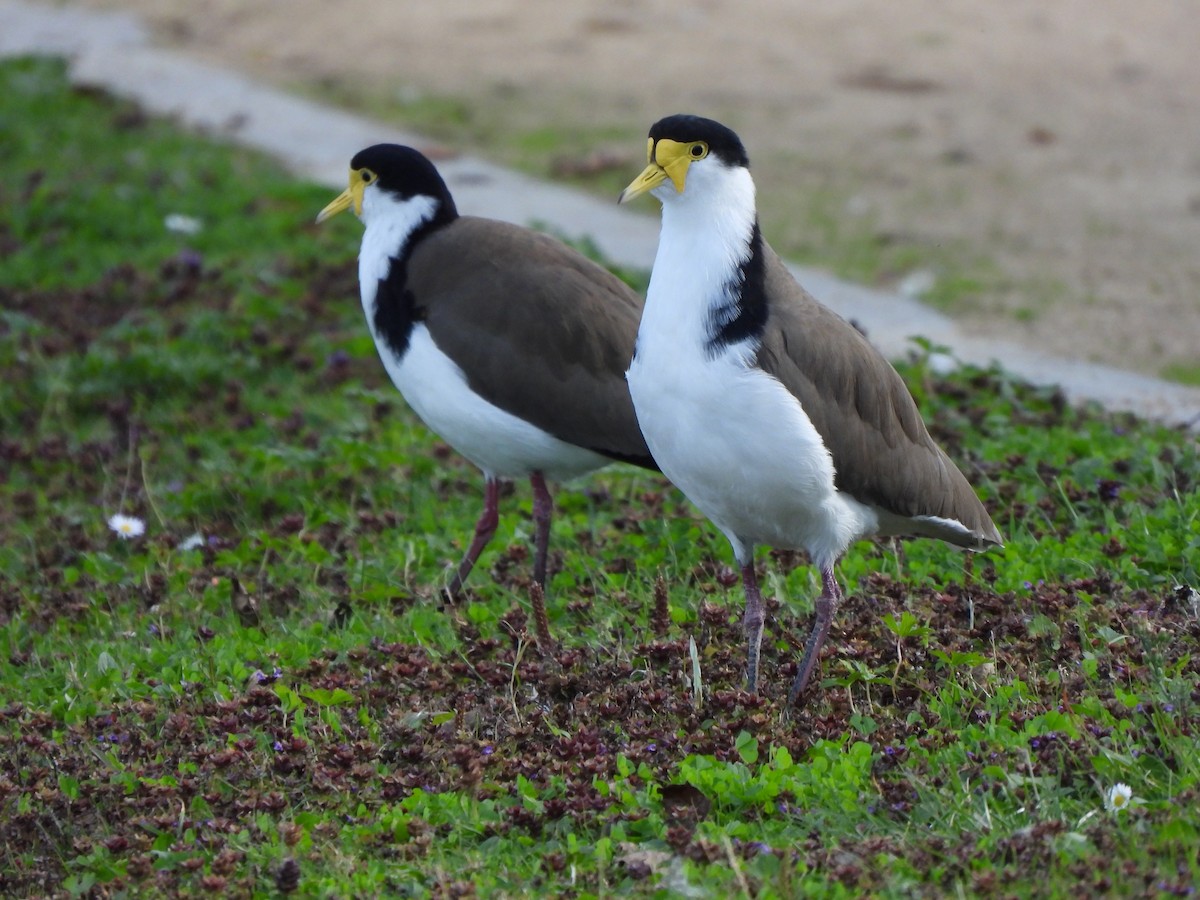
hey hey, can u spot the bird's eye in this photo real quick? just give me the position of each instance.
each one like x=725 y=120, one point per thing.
x=699 y=150
x=367 y=176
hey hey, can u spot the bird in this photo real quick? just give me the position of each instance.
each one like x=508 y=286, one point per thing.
x=777 y=418
x=509 y=345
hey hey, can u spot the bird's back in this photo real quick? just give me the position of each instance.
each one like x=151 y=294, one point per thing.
x=539 y=329
x=882 y=452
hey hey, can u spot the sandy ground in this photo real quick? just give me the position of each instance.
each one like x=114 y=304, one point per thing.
x=1061 y=140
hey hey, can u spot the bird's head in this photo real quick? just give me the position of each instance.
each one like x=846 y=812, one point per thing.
x=682 y=150
x=391 y=177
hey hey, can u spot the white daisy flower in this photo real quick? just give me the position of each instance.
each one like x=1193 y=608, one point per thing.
x=1119 y=796
x=126 y=527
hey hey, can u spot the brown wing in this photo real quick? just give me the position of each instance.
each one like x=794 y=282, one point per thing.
x=539 y=330
x=882 y=453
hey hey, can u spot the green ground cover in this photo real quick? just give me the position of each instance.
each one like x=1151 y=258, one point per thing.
x=262 y=694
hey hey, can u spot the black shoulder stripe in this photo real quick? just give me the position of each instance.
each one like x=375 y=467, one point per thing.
x=396 y=309
x=744 y=317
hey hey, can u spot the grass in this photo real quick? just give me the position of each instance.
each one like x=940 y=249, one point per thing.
x=263 y=695
x=1183 y=373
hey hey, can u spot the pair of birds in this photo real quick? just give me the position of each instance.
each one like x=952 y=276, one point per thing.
x=772 y=414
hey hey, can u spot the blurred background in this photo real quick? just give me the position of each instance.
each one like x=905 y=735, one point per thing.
x=1032 y=168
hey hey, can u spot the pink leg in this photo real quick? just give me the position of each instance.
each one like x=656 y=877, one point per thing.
x=489 y=519
x=827 y=605
x=752 y=624
x=543 y=506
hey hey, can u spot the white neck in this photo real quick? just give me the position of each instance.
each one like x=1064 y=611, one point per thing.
x=390 y=223
x=705 y=236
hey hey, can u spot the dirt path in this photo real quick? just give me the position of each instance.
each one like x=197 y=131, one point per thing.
x=1060 y=141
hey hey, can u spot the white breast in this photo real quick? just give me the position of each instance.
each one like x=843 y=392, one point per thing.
x=499 y=443
x=729 y=435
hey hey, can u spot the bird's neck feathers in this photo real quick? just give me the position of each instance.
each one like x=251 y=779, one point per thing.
x=392 y=225
x=706 y=287
x=713 y=218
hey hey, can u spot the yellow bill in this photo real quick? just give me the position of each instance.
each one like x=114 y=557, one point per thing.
x=351 y=196
x=668 y=159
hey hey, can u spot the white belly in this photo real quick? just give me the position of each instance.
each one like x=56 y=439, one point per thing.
x=501 y=444
x=741 y=448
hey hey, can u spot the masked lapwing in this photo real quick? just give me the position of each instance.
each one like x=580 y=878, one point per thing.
x=505 y=342
x=776 y=417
